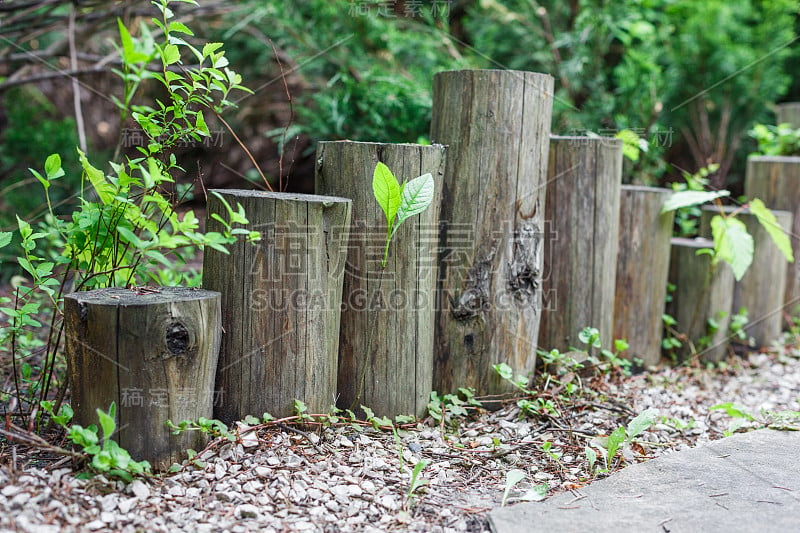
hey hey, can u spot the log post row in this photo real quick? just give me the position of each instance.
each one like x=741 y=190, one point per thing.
x=496 y=125
x=280 y=302
x=154 y=353
x=642 y=270
x=386 y=339
x=580 y=249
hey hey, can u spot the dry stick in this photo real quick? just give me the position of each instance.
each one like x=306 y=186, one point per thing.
x=76 y=89
x=288 y=124
x=246 y=151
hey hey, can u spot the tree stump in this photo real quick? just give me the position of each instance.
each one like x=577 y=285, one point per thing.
x=776 y=181
x=153 y=352
x=762 y=287
x=580 y=249
x=642 y=270
x=789 y=113
x=388 y=315
x=496 y=124
x=280 y=302
x=702 y=294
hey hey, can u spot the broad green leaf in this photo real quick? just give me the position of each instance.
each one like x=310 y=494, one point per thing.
x=503 y=370
x=512 y=478
x=732 y=244
x=417 y=195
x=179 y=27
x=210 y=48
x=129 y=53
x=770 y=223
x=45 y=183
x=97 y=179
x=52 y=167
x=387 y=192
x=642 y=421
x=200 y=124
x=536 y=493
x=108 y=425
x=171 y=54
x=689 y=198
x=616 y=438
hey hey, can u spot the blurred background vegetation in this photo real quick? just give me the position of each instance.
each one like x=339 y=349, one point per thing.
x=690 y=78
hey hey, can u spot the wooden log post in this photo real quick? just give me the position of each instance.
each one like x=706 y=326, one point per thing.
x=153 y=352
x=701 y=295
x=762 y=287
x=642 y=270
x=776 y=181
x=386 y=340
x=280 y=302
x=788 y=113
x=584 y=177
x=496 y=124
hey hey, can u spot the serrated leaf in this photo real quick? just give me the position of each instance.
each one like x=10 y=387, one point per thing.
x=767 y=219
x=180 y=27
x=732 y=244
x=210 y=48
x=171 y=54
x=387 y=192
x=417 y=195
x=641 y=422
x=689 y=198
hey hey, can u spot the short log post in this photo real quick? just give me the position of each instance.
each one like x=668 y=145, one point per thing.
x=642 y=270
x=280 y=302
x=776 y=181
x=788 y=113
x=388 y=315
x=153 y=352
x=762 y=287
x=701 y=294
x=580 y=248
x=496 y=124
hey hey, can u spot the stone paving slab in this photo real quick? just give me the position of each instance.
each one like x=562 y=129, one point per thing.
x=749 y=482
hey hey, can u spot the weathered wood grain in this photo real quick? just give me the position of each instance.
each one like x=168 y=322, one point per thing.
x=788 y=113
x=280 y=302
x=496 y=125
x=584 y=177
x=776 y=181
x=154 y=353
x=762 y=287
x=386 y=340
x=642 y=269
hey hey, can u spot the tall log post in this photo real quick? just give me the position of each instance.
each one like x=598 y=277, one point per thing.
x=642 y=270
x=386 y=340
x=788 y=113
x=702 y=293
x=762 y=287
x=281 y=302
x=497 y=128
x=776 y=181
x=580 y=249
x=153 y=352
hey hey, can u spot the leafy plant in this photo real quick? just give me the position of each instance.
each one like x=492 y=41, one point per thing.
x=779 y=140
x=416 y=482
x=398 y=201
x=107 y=457
x=624 y=435
x=513 y=477
x=444 y=408
x=126 y=225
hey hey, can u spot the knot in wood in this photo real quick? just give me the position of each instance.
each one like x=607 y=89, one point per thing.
x=177 y=338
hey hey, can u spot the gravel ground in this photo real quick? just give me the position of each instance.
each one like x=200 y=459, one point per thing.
x=345 y=479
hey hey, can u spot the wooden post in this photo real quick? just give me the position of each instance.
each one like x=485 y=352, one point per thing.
x=280 y=302
x=701 y=294
x=496 y=124
x=776 y=181
x=580 y=248
x=642 y=269
x=153 y=352
x=386 y=339
x=788 y=112
x=762 y=287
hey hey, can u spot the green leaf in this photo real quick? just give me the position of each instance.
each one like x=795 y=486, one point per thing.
x=642 y=421
x=97 y=179
x=767 y=219
x=210 y=48
x=5 y=238
x=200 y=124
x=387 y=192
x=52 y=167
x=503 y=370
x=107 y=422
x=616 y=438
x=689 y=198
x=732 y=244
x=171 y=54
x=417 y=195
x=129 y=53
x=536 y=493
